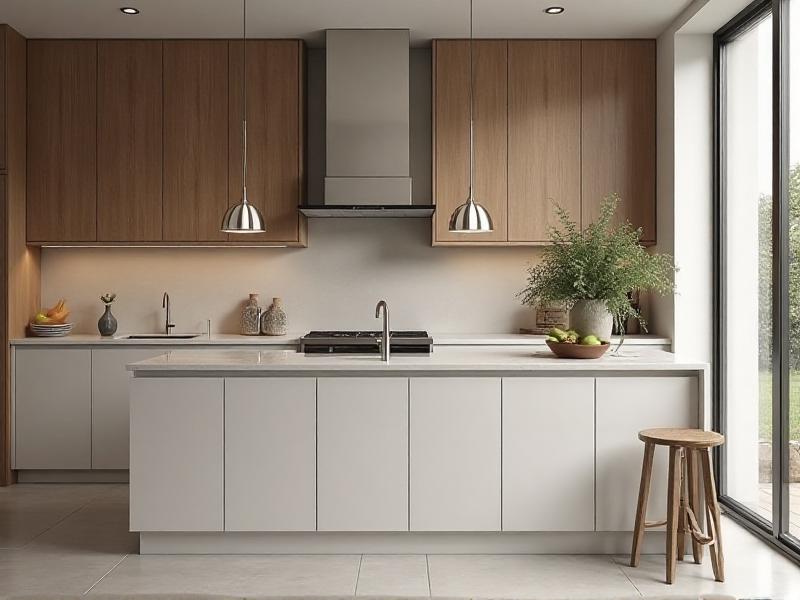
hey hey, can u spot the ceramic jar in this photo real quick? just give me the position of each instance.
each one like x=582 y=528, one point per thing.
x=251 y=316
x=273 y=322
x=591 y=317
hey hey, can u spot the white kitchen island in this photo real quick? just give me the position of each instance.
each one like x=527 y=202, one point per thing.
x=466 y=450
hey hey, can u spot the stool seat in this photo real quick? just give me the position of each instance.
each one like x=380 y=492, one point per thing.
x=684 y=438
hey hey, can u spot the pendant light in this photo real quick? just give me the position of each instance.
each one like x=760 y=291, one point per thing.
x=471 y=217
x=243 y=217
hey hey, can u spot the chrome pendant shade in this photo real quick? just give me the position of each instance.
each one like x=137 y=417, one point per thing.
x=471 y=217
x=243 y=217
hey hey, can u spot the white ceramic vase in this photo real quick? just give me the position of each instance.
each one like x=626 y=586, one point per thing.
x=591 y=317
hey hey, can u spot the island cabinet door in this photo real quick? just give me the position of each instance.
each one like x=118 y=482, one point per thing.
x=362 y=454
x=548 y=454
x=270 y=454
x=625 y=406
x=176 y=476
x=454 y=447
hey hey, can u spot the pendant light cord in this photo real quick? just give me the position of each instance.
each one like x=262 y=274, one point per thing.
x=244 y=101
x=471 y=110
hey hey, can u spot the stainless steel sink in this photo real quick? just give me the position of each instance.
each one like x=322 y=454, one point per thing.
x=161 y=336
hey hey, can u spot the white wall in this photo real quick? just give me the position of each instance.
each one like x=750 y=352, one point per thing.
x=334 y=283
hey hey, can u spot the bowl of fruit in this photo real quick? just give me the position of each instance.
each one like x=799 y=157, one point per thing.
x=52 y=322
x=569 y=344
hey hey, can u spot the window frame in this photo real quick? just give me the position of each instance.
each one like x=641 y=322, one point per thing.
x=777 y=531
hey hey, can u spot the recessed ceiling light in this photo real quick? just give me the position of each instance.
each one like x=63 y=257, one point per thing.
x=554 y=10
x=129 y=10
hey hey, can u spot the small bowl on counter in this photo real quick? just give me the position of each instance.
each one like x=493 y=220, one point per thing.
x=564 y=350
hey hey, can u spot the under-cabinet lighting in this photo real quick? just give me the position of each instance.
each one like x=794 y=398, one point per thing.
x=161 y=246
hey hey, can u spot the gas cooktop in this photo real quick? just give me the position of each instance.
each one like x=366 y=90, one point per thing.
x=365 y=342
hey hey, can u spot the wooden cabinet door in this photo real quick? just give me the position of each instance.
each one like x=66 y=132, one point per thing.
x=177 y=454
x=195 y=139
x=270 y=453
x=544 y=139
x=53 y=408
x=274 y=135
x=62 y=141
x=454 y=449
x=618 y=131
x=3 y=35
x=451 y=85
x=129 y=130
x=110 y=404
x=362 y=454
x=625 y=406
x=548 y=454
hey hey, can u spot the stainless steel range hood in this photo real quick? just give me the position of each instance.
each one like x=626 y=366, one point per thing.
x=367 y=170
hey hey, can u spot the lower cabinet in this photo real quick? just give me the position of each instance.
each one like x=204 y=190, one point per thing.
x=362 y=454
x=110 y=410
x=270 y=454
x=52 y=408
x=548 y=454
x=625 y=406
x=455 y=445
x=177 y=454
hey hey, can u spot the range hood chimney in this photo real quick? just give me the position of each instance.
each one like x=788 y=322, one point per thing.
x=367 y=170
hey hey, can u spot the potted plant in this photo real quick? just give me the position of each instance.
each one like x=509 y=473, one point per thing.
x=592 y=271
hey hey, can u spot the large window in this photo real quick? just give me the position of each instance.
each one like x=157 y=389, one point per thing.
x=758 y=245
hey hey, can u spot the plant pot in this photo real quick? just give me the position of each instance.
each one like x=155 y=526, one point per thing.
x=107 y=325
x=591 y=317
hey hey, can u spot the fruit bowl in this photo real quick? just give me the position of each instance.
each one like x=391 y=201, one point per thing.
x=564 y=350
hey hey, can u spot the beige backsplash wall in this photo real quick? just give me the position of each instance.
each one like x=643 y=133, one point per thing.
x=334 y=283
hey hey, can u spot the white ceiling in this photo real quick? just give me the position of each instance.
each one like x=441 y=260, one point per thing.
x=426 y=19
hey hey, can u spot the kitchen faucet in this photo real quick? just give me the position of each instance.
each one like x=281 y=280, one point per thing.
x=168 y=324
x=386 y=334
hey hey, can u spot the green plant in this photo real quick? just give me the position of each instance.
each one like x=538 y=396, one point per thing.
x=602 y=262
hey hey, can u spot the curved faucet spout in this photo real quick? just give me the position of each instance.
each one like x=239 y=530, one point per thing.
x=386 y=335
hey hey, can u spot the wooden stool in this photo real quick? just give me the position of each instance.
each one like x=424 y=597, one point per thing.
x=686 y=446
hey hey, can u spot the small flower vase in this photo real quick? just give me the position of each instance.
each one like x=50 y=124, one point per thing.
x=107 y=324
x=251 y=316
x=274 y=320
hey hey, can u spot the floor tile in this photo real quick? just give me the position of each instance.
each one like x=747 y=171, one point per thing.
x=527 y=576
x=393 y=575
x=752 y=570
x=234 y=575
x=30 y=572
x=27 y=510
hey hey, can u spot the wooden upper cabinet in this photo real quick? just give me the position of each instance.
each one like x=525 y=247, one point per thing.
x=129 y=118
x=195 y=139
x=62 y=141
x=451 y=115
x=275 y=135
x=3 y=165
x=619 y=129
x=544 y=139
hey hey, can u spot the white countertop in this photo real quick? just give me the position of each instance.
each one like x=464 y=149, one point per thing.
x=221 y=339
x=443 y=359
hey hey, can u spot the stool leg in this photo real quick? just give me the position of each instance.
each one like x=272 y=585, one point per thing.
x=712 y=507
x=683 y=517
x=694 y=500
x=641 y=507
x=673 y=510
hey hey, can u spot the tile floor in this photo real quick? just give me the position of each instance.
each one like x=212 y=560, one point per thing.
x=74 y=539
